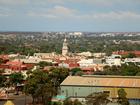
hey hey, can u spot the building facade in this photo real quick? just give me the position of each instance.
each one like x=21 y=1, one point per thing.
x=82 y=86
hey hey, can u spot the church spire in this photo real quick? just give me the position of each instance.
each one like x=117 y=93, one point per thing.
x=65 y=47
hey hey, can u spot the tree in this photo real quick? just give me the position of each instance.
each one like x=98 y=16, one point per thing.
x=122 y=97
x=129 y=55
x=1 y=61
x=77 y=102
x=138 y=74
x=57 y=103
x=75 y=71
x=97 y=99
x=2 y=79
x=40 y=86
x=44 y=63
x=16 y=79
x=112 y=70
x=57 y=75
x=67 y=102
x=129 y=70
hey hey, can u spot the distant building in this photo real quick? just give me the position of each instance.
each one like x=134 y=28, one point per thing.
x=113 y=61
x=137 y=53
x=85 y=62
x=86 y=54
x=98 y=55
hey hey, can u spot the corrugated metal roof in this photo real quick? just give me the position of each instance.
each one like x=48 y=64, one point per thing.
x=104 y=81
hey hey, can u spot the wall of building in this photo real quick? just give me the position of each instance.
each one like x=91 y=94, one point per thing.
x=132 y=93
x=80 y=91
x=72 y=91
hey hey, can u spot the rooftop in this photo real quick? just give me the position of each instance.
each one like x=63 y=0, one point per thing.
x=103 y=81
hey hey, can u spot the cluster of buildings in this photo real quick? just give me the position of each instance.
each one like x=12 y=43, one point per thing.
x=88 y=62
x=19 y=63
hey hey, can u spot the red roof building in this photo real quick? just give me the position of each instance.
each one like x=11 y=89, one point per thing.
x=73 y=65
x=88 y=70
x=5 y=58
x=16 y=65
x=137 y=53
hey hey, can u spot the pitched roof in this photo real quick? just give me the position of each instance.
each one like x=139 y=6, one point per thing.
x=104 y=81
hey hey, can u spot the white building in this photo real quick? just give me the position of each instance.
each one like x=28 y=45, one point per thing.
x=33 y=59
x=132 y=60
x=85 y=62
x=45 y=55
x=86 y=54
x=113 y=61
x=98 y=55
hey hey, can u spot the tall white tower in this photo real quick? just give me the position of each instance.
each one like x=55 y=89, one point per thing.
x=65 y=48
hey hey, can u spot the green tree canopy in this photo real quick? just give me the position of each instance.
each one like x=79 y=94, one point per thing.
x=44 y=63
x=16 y=78
x=97 y=99
x=130 y=70
x=44 y=85
x=76 y=71
x=122 y=97
x=2 y=79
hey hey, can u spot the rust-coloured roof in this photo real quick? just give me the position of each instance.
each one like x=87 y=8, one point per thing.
x=108 y=81
x=137 y=53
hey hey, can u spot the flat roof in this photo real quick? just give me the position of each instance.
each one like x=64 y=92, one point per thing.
x=102 y=81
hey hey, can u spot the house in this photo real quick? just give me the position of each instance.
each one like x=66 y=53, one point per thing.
x=16 y=65
x=85 y=62
x=113 y=61
x=4 y=58
x=86 y=54
x=68 y=63
x=82 y=86
x=98 y=55
x=132 y=60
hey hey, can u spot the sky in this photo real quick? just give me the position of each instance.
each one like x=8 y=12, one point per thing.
x=70 y=15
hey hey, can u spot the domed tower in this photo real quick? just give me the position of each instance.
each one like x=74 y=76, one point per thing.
x=65 y=48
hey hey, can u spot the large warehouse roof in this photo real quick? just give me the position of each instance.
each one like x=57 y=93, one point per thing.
x=103 y=81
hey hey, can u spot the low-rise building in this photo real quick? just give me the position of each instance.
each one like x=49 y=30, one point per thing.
x=82 y=86
x=113 y=61
x=85 y=62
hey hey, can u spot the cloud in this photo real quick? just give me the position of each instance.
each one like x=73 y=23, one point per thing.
x=40 y=14
x=61 y=12
x=4 y=12
x=89 y=2
x=115 y=15
x=13 y=2
x=55 y=12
